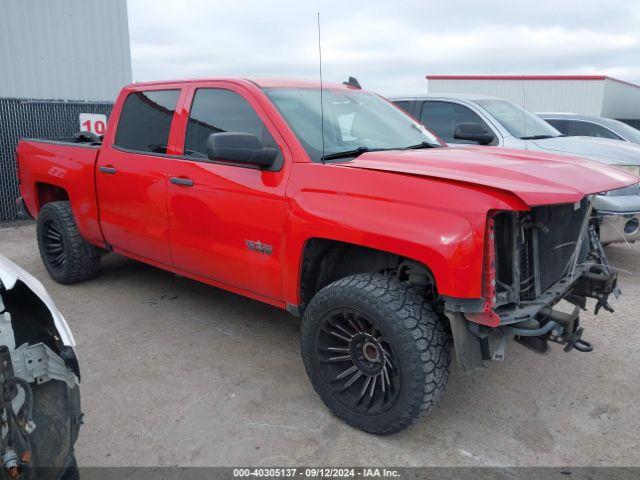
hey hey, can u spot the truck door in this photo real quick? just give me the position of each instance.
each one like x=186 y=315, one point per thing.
x=226 y=220
x=131 y=176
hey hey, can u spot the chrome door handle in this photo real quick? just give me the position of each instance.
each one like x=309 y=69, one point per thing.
x=107 y=169
x=185 y=182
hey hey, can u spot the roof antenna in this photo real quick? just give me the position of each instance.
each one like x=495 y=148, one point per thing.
x=353 y=82
x=321 y=96
x=524 y=106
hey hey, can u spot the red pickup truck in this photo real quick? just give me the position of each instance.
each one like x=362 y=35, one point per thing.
x=389 y=245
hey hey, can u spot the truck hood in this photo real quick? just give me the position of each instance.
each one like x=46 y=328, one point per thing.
x=604 y=150
x=535 y=177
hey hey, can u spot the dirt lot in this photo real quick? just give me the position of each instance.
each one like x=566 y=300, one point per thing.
x=180 y=373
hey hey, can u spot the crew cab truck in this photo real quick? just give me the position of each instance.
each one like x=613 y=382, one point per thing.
x=390 y=246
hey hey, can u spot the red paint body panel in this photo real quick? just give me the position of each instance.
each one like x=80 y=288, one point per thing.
x=227 y=206
x=536 y=178
x=68 y=167
x=133 y=208
x=429 y=205
x=435 y=222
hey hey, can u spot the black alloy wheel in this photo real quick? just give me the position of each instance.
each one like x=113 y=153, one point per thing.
x=357 y=361
x=375 y=351
x=53 y=244
x=67 y=256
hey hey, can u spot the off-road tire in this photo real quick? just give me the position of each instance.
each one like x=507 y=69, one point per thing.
x=418 y=335
x=81 y=259
x=56 y=413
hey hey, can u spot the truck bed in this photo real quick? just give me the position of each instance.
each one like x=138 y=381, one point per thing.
x=57 y=170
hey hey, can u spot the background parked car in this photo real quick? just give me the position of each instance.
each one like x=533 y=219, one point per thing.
x=465 y=119
x=571 y=124
x=39 y=378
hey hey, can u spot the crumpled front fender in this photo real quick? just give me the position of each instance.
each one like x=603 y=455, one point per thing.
x=10 y=274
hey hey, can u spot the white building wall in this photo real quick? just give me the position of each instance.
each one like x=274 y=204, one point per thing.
x=576 y=96
x=64 y=49
x=621 y=100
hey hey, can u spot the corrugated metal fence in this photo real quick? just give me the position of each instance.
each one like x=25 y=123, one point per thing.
x=24 y=118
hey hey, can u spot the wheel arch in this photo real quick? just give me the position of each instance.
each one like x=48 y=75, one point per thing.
x=49 y=192
x=325 y=260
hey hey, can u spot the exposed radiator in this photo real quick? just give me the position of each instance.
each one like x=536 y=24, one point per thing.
x=534 y=249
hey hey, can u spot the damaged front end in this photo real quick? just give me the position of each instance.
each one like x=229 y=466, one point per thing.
x=532 y=260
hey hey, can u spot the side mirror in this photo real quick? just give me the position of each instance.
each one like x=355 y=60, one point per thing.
x=474 y=132
x=241 y=148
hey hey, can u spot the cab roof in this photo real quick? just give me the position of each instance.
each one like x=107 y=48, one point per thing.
x=455 y=96
x=259 y=82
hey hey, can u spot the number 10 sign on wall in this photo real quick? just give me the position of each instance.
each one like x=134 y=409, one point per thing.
x=93 y=122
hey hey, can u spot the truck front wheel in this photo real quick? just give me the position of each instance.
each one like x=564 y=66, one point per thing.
x=66 y=255
x=375 y=351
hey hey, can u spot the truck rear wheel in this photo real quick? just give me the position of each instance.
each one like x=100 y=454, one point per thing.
x=375 y=351
x=66 y=255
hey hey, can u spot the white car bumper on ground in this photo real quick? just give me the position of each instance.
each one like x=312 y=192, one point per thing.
x=10 y=274
x=619 y=215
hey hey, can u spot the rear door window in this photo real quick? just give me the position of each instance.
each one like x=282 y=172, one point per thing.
x=442 y=118
x=589 y=129
x=145 y=121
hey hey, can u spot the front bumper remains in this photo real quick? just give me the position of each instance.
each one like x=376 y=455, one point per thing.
x=535 y=324
x=617 y=214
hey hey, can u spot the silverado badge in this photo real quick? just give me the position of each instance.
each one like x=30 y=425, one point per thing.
x=259 y=247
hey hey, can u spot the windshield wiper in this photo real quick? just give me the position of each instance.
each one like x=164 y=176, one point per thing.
x=538 y=137
x=360 y=150
x=348 y=153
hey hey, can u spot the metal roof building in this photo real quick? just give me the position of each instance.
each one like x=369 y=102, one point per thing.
x=62 y=61
x=596 y=95
x=64 y=49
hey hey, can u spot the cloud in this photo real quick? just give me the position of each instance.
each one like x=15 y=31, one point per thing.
x=388 y=46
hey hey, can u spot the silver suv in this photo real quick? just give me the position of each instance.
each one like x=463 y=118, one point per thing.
x=462 y=119
x=574 y=125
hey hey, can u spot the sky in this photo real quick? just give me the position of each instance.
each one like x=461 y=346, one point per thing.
x=389 y=46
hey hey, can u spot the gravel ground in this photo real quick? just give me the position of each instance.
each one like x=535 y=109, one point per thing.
x=180 y=373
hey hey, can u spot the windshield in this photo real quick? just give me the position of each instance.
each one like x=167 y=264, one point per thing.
x=519 y=122
x=627 y=131
x=352 y=120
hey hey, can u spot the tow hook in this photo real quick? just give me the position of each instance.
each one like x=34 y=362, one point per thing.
x=11 y=463
x=14 y=466
x=560 y=327
x=567 y=323
x=576 y=341
x=603 y=302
